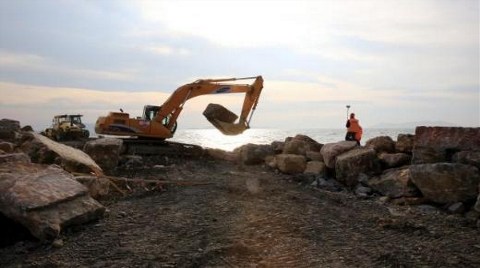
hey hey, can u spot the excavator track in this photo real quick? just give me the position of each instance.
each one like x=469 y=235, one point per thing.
x=142 y=147
x=160 y=147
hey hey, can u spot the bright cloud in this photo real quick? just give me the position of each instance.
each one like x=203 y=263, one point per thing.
x=165 y=50
x=44 y=65
x=314 y=25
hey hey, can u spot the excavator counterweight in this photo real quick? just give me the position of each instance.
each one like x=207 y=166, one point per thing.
x=160 y=122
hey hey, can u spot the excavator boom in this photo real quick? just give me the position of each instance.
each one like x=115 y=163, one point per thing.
x=161 y=121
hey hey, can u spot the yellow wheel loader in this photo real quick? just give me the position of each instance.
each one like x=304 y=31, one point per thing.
x=66 y=127
x=160 y=122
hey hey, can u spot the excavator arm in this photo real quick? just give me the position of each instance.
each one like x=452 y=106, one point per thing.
x=173 y=106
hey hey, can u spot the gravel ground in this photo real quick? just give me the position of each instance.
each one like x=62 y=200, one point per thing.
x=251 y=217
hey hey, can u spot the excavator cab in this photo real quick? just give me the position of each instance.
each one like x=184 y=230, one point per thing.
x=150 y=111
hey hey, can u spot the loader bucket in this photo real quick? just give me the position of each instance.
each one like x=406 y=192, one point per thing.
x=223 y=119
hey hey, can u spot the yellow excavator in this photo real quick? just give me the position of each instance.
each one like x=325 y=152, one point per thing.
x=160 y=122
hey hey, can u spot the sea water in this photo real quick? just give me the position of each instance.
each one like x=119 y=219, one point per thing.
x=212 y=138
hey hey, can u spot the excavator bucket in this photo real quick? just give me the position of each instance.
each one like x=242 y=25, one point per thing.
x=223 y=119
x=229 y=128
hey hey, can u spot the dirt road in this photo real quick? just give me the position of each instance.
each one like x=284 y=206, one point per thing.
x=253 y=217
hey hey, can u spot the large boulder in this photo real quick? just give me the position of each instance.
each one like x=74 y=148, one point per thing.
x=446 y=182
x=315 y=167
x=467 y=157
x=291 y=163
x=351 y=164
x=439 y=144
x=9 y=129
x=37 y=151
x=394 y=160
x=395 y=183
x=404 y=143
x=330 y=151
x=222 y=155
x=301 y=144
x=254 y=154
x=477 y=205
x=381 y=144
x=314 y=156
x=105 y=152
x=44 y=198
x=295 y=147
x=218 y=112
x=7 y=147
x=278 y=146
x=14 y=158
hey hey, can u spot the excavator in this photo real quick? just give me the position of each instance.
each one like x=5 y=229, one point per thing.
x=160 y=122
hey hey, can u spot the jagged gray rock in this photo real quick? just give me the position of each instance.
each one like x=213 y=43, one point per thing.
x=404 y=143
x=105 y=152
x=44 y=199
x=439 y=144
x=315 y=167
x=395 y=183
x=291 y=163
x=351 y=164
x=330 y=151
x=253 y=154
x=9 y=129
x=381 y=144
x=446 y=182
x=394 y=160
x=467 y=157
x=7 y=147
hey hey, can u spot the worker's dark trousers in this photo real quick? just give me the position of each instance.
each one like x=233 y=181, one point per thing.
x=351 y=137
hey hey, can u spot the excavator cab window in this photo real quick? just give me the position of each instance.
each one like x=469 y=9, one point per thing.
x=149 y=112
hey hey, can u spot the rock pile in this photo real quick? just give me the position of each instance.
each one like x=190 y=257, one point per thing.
x=34 y=188
x=437 y=165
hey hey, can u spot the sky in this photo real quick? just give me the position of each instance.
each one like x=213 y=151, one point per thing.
x=393 y=62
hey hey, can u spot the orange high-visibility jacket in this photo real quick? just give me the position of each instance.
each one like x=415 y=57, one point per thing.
x=355 y=127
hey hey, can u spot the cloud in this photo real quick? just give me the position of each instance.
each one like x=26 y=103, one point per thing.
x=165 y=50
x=315 y=25
x=41 y=64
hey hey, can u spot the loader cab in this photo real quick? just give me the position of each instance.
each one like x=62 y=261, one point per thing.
x=76 y=119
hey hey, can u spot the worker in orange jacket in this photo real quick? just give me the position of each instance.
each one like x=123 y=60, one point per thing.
x=354 y=130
